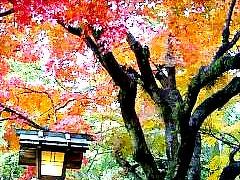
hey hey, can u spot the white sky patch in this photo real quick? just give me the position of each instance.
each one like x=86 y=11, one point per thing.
x=237 y=106
x=151 y=5
x=87 y=57
x=135 y=25
x=86 y=61
x=81 y=85
x=193 y=9
x=42 y=46
x=235 y=72
x=186 y=12
x=115 y=105
x=143 y=30
x=113 y=5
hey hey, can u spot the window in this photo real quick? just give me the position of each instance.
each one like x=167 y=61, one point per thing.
x=52 y=163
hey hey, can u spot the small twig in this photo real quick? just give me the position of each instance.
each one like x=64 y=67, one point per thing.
x=64 y=105
x=61 y=85
x=227 y=142
x=6 y=119
x=235 y=38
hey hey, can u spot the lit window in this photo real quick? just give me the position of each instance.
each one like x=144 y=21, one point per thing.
x=52 y=163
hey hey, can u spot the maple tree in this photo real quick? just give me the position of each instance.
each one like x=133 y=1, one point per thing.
x=184 y=67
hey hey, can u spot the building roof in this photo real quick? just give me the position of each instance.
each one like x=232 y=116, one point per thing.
x=36 y=138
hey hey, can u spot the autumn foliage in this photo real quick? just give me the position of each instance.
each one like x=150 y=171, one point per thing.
x=165 y=64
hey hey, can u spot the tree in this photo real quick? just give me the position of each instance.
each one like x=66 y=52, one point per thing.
x=10 y=169
x=193 y=49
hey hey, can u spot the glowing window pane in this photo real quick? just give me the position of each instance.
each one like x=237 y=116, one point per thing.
x=52 y=163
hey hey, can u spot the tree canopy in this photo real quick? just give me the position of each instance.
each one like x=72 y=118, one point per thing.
x=167 y=71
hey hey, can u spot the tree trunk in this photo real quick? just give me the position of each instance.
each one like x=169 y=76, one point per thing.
x=194 y=172
x=171 y=148
x=172 y=113
x=185 y=154
x=142 y=154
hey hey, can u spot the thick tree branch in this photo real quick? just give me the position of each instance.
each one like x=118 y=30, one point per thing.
x=220 y=64
x=225 y=47
x=226 y=43
x=217 y=100
x=6 y=13
x=167 y=97
x=171 y=72
x=207 y=75
x=109 y=62
x=231 y=171
x=185 y=154
x=235 y=39
x=73 y=30
x=121 y=78
x=160 y=76
x=142 y=154
x=142 y=55
x=226 y=31
x=170 y=66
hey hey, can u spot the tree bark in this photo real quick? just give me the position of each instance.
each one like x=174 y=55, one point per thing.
x=142 y=154
x=194 y=172
x=231 y=171
x=185 y=154
x=171 y=112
